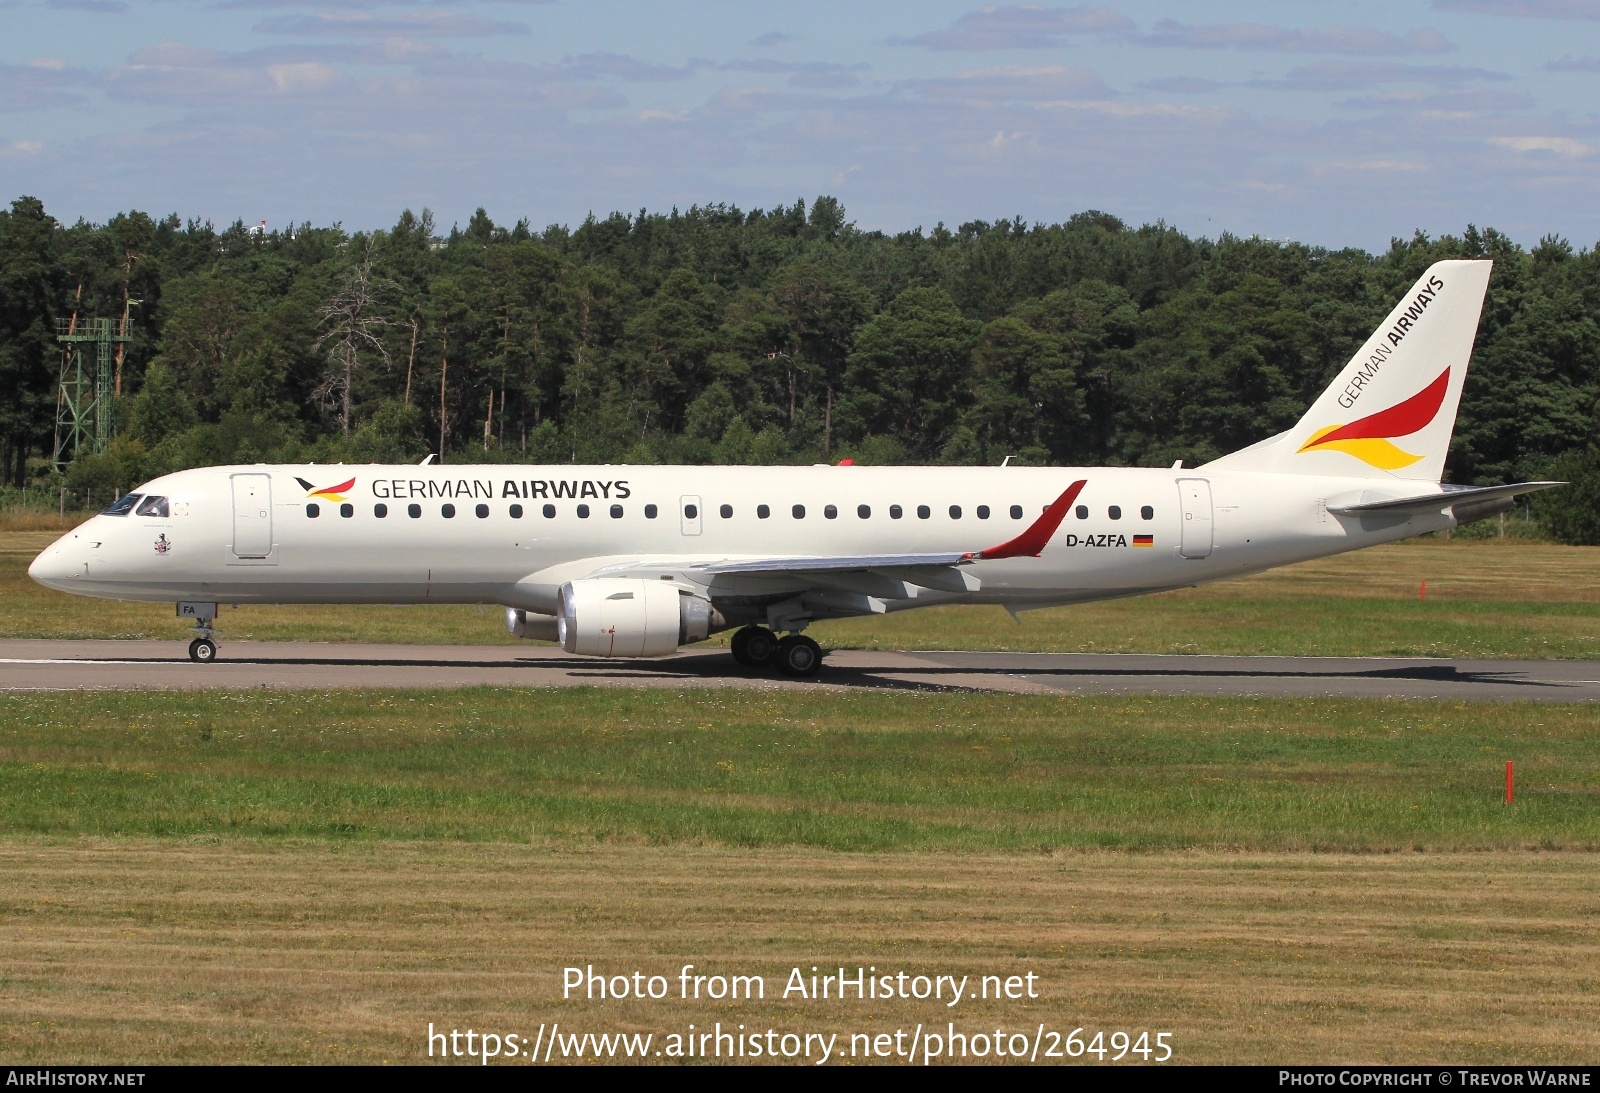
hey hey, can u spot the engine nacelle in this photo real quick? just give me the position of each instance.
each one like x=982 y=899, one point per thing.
x=531 y=625
x=627 y=617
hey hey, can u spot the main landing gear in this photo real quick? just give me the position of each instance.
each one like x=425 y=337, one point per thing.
x=796 y=655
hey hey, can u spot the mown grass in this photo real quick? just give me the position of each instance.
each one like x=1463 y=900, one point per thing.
x=1484 y=598
x=124 y=951
x=846 y=772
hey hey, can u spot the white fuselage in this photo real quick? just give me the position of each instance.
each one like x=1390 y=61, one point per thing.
x=245 y=534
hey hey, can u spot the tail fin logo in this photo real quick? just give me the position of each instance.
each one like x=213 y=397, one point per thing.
x=327 y=493
x=1371 y=439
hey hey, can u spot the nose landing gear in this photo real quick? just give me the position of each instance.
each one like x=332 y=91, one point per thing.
x=202 y=650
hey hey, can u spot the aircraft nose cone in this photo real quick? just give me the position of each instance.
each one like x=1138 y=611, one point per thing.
x=54 y=568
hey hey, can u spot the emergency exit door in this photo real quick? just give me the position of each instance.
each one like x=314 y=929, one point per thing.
x=1194 y=495
x=252 y=515
x=689 y=514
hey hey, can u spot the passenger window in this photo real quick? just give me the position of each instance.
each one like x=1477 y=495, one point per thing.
x=1082 y=512
x=482 y=511
x=123 y=507
x=1115 y=512
x=762 y=512
x=955 y=512
x=799 y=512
x=983 y=512
x=549 y=512
x=1147 y=513
x=447 y=511
x=583 y=512
x=1016 y=512
x=864 y=511
x=691 y=512
x=616 y=512
x=895 y=512
x=516 y=512
x=347 y=510
x=726 y=512
x=153 y=506
x=380 y=511
x=923 y=512
x=650 y=512
x=831 y=511
x=414 y=511
x=313 y=510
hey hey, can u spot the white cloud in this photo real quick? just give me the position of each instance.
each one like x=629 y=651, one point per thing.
x=41 y=84
x=1354 y=75
x=1020 y=26
x=1354 y=41
x=1526 y=9
x=1560 y=146
x=1574 y=64
x=428 y=24
x=308 y=77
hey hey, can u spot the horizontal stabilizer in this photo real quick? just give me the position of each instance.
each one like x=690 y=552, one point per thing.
x=1449 y=498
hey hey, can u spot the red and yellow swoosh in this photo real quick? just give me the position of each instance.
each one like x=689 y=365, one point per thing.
x=328 y=493
x=1370 y=439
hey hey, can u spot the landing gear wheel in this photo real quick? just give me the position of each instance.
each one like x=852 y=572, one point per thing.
x=202 y=650
x=739 y=646
x=754 y=647
x=799 y=656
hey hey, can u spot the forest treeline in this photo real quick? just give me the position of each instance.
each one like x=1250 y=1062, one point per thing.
x=765 y=336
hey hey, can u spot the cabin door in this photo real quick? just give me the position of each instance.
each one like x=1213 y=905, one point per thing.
x=1194 y=495
x=252 y=515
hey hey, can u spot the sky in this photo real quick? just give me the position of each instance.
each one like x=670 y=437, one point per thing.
x=1340 y=123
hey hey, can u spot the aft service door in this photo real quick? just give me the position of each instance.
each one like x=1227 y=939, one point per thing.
x=1194 y=495
x=252 y=515
x=689 y=513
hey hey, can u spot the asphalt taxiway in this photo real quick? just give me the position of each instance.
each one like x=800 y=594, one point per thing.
x=72 y=665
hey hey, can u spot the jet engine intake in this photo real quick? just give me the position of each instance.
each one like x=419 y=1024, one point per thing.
x=627 y=617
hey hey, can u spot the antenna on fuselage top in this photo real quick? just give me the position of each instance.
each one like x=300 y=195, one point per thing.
x=426 y=460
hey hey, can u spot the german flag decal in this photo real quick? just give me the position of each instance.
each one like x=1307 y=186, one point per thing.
x=327 y=493
x=1144 y=540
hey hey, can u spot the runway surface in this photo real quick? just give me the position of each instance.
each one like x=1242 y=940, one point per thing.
x=123 y=665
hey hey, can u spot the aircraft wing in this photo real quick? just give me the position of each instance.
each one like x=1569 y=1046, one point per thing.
x=1449 y=497
x=927 y=570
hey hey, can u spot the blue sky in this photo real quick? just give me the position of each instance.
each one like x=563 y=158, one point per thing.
x=1337 y=123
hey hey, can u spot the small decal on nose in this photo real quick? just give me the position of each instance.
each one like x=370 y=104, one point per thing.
x=162 y=545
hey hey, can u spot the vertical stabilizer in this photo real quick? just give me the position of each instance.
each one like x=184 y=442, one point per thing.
x=1391 y=411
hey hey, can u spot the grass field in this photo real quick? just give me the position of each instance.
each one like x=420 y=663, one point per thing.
x=820 y=769
x=314 y=877
x=127 y=951
x=1485 y=598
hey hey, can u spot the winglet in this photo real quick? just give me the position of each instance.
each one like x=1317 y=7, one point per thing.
x=1031 y=543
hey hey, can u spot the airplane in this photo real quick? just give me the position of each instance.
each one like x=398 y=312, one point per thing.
x=639 y=561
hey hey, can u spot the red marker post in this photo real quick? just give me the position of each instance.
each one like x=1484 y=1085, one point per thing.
x=1508 y=781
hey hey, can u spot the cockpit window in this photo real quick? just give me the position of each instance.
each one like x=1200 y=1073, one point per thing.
x=123 y=507
x=152 y=506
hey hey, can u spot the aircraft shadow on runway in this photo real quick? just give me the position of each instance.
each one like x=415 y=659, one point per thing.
x=715 y=665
